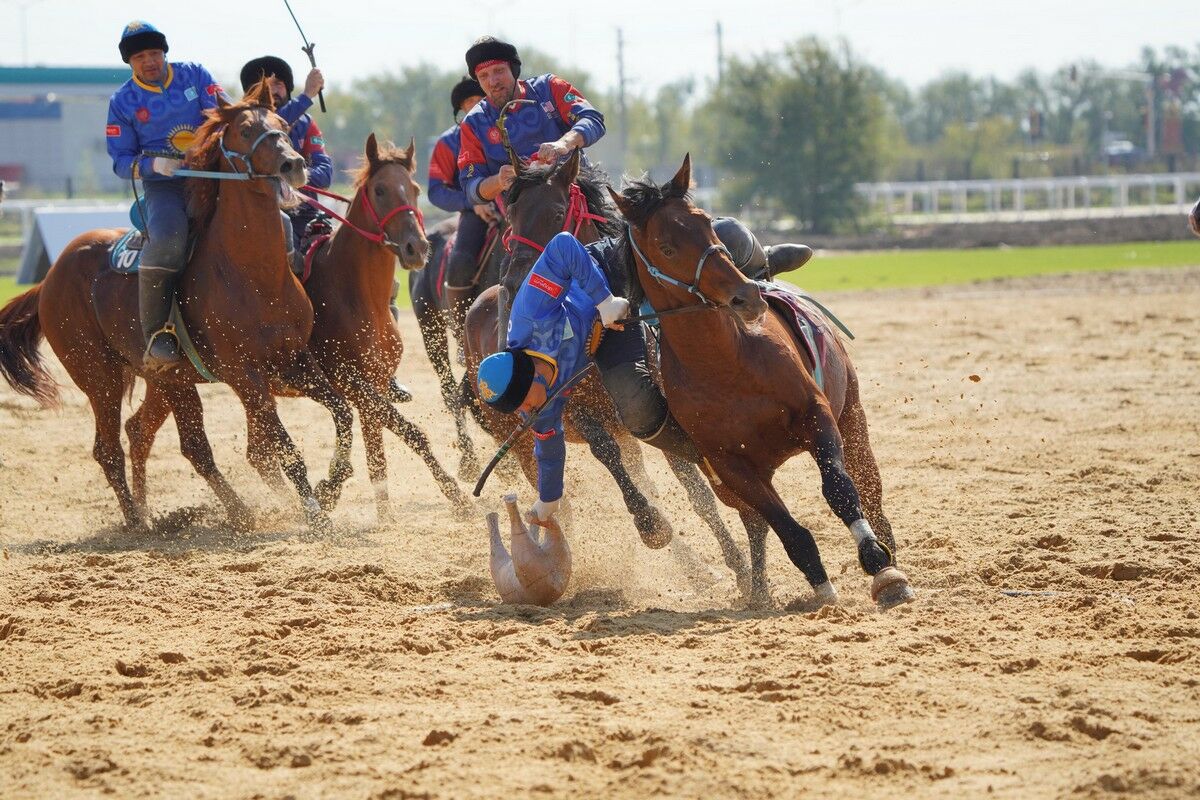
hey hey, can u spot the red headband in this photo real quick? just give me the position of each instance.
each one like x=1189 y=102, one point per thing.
x=486 y=64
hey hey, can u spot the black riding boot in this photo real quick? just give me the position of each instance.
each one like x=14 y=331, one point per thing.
x=786 y=257
x=156 y=290
x=672 y=438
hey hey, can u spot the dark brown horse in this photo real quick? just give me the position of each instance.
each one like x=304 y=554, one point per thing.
x=543 y=202
x=354 y=338
x=741 y=384
x=433 y=317
x=247 y=315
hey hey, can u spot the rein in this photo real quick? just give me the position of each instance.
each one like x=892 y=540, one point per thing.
x=379 y=237
x=577 y=213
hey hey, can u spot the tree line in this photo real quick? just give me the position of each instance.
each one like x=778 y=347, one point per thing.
x=790 y=132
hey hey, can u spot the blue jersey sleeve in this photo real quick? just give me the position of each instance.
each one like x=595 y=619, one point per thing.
x=320 y=170
x=122 y=142
x=294 y=109
x=208 y=88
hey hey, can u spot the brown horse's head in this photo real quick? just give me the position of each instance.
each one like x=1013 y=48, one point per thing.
x=241 y=137
x=678 y=240
x=385 y=181
x=537 y=206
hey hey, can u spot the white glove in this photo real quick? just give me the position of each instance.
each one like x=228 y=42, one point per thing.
x=612 y=309
x=542 y=511
x=165 y=166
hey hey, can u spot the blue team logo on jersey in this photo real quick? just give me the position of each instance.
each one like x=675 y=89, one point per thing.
x=190 y=93
x=570 y=97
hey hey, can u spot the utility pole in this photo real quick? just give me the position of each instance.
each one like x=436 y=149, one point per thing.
x=25 y=30
x=622 y=110
x=720 y=55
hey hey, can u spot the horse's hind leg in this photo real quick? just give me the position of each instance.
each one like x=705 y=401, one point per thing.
x=653 y=527
x=307 y=376
x=860 y=464
x=432 y=323
x=104 y=387
x=141 y=429
x=704 y=503
x=193 y=443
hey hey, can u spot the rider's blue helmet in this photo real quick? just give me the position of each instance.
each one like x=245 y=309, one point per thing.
x=139 y=36
x=504 y=379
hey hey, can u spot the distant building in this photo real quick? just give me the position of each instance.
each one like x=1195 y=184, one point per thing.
x=52 y=128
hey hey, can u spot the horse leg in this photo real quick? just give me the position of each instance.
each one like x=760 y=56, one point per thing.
x=653 y=527
x=860 y=463
x=704 y=503
x=307 y=376
x=263 y=457
x=756 y=532
x=141 y=429
x=890 y=586
x=105 y=397
x=369 y=402
x=261 y=413
x=437 y=346
x=193 y=443
x=740 y=476
x=376 y=465
x=633 y=459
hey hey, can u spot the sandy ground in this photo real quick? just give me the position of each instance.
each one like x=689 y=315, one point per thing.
x=378 y=663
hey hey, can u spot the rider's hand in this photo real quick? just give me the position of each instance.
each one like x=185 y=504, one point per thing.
x=487 y=212
x=507 y=176
x=551 y=152
x=314 y=83
x=542 y=512
x=165 y=166
x=612 y=310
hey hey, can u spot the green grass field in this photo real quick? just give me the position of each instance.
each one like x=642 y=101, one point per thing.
x=898 y=268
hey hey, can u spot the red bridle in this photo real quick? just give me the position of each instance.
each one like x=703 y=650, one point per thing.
x=577 y=213
x=379 y=237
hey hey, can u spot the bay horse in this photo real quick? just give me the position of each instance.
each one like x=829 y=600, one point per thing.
x=433 y=318
x=354 y=338
x=544 y=201
x=248 y=317
x=741 y=384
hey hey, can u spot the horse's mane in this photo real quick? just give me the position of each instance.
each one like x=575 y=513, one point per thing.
x=205 y=152
x=644 y=197
x=388 y=154
x=592 y=181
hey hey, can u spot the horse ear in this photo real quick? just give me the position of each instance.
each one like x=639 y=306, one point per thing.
x=618 y=198
x=569 y=170
x=682 y=181
x=411 y=151
x=372 y=149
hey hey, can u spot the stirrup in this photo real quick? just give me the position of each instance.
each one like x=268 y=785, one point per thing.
x=151 y=360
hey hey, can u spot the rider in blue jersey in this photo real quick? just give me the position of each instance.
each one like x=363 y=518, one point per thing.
x=152 y=121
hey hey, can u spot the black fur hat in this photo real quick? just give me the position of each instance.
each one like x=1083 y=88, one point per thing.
x=467 y=87
x=138 y=36
x=264 y=67
x=489 y=48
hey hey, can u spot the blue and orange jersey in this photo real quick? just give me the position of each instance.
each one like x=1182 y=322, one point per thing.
x=552 y=318
x=307 y=140
x=158 y=118
x=560 y=108
x=444 y=191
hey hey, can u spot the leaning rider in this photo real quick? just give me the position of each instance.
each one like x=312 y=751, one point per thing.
x=564 y=314
x=561 y=121
x=306 y=224
x=152 y=120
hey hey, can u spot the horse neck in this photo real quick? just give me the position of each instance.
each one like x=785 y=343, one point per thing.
x=356 y=256
x=241 y=209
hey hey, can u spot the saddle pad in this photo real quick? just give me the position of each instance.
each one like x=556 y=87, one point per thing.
x=126 y=253
x=808 y=324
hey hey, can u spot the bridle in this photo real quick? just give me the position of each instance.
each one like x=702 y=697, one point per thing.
x=380 y=236
x=577 y=213
x=248 y=158
x=662 y=277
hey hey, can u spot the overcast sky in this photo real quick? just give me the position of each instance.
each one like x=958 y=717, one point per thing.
x=914 y=40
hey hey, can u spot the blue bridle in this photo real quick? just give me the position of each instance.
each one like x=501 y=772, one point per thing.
x=662 y=277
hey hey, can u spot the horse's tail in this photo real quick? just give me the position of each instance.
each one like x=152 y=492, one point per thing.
x=20 y=361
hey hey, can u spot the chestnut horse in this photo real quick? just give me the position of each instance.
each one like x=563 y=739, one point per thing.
x=354 y=338
x=247 y=316
x=543 y=202
x=740 y=383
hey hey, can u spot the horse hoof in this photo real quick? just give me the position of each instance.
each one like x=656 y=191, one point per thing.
x=319 y=524
x=890 y=588
x=240 y=518
x=653 y=527
x=328 y=492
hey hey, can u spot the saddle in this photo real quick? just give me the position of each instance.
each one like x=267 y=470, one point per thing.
x=481 y=260
x=808 y=320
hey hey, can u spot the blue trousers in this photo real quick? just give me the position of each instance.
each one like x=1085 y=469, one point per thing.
x=166 y=224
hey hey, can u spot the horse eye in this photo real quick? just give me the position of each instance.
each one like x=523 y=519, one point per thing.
x=667 y=250
x=379 y=191
x=246 y=134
